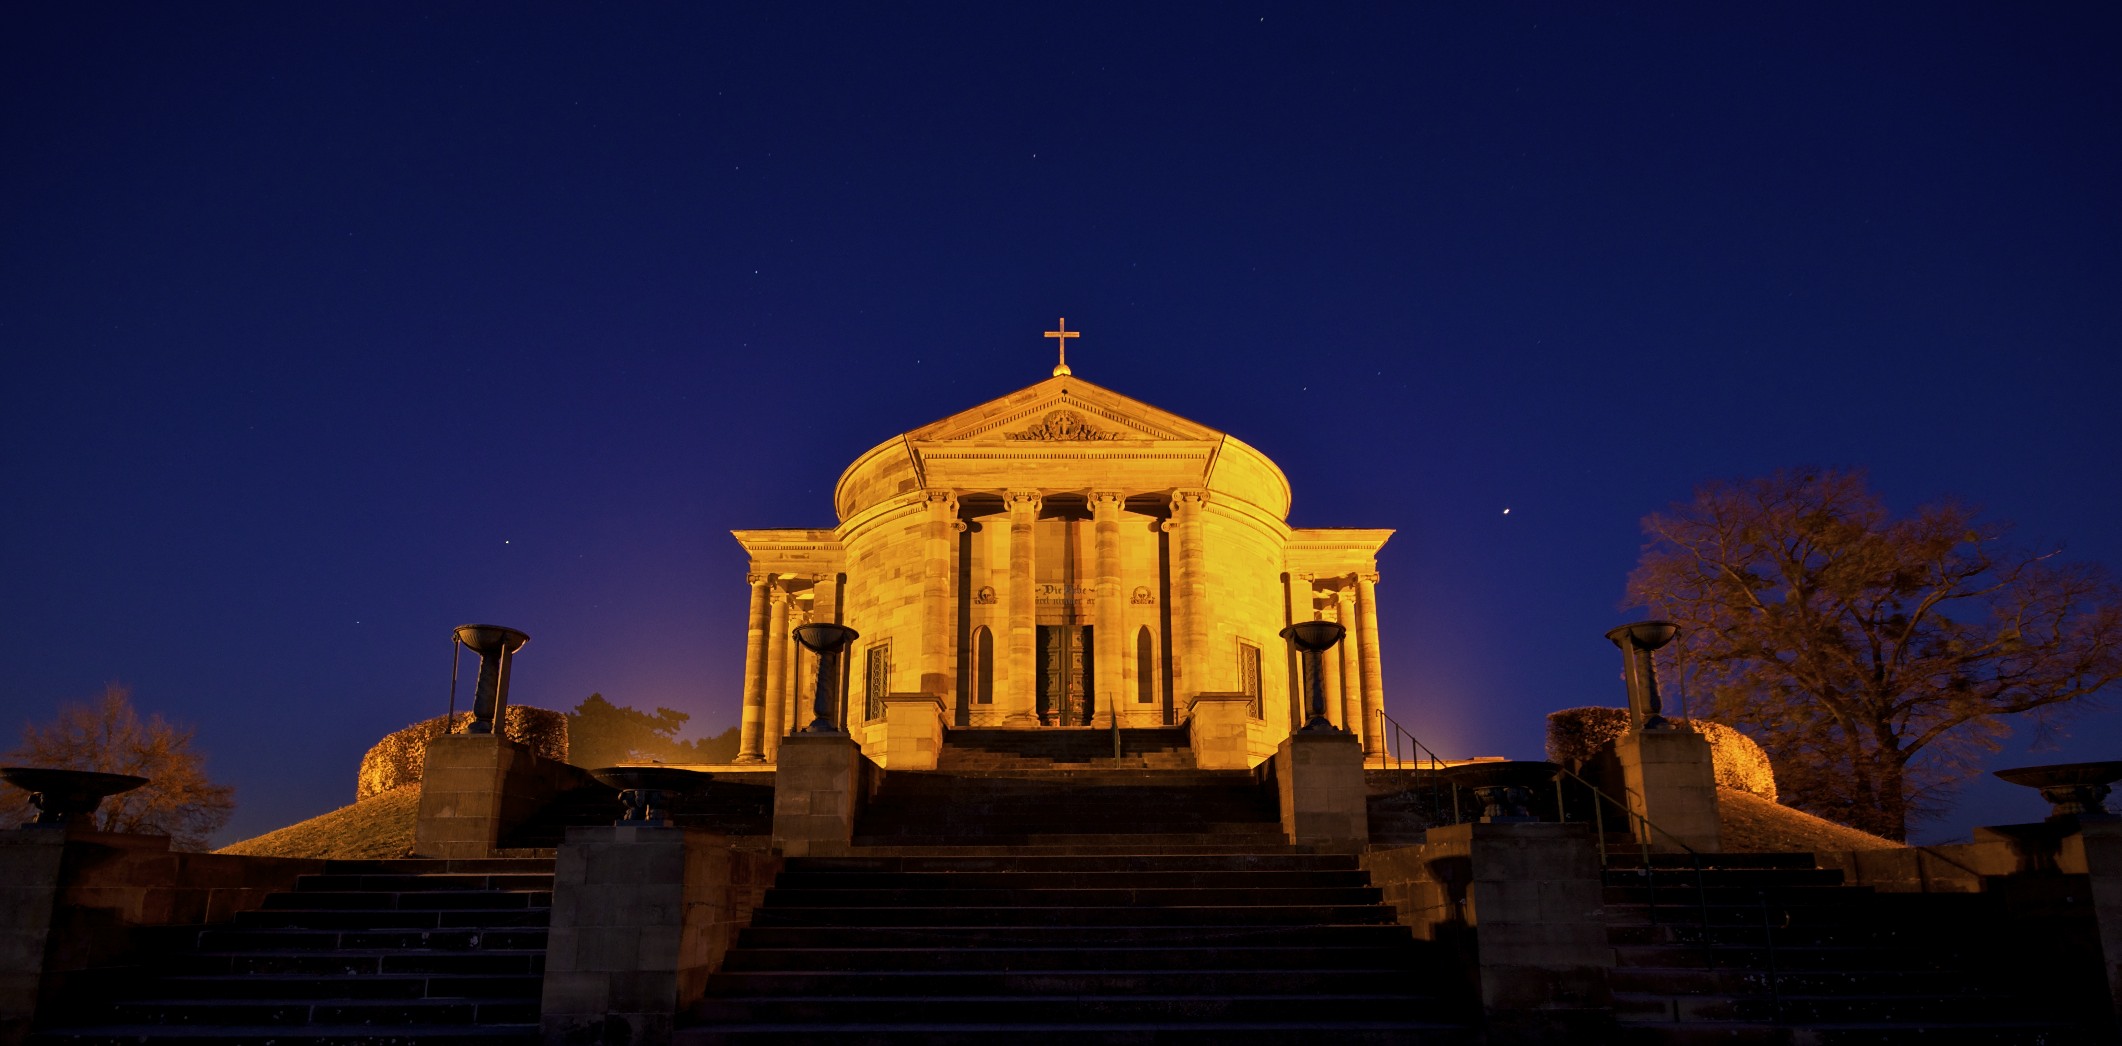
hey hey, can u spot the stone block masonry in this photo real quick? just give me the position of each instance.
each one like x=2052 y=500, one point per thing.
x=1319 y=780
x=641 y=917
x=1523 y=902
x=73 y=901
x=478 y=786
x=820 y=784
x=1671 y=783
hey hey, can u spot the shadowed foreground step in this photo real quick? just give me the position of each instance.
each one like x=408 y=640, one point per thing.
x=369 y=953
x=1095 y=905
x=1763 y=949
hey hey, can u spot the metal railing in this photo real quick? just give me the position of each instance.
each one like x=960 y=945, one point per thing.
x=1642 y=828
x=1415 y=748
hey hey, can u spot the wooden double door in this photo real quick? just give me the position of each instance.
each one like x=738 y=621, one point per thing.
x=1067 y=676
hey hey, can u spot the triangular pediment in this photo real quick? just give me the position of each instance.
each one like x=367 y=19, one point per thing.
x=1064 y=409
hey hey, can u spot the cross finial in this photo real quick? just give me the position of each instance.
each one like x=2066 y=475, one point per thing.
x=1061 y=338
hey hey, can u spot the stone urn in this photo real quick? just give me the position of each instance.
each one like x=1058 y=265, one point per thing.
x=61 y=796
x=2073 y=790
x=1504 y=789
x=648 y=791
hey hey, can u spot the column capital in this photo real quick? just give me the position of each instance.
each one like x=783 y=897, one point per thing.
x=1370 y=579
x=1028 y=499
x=1192 y=496
x=756 y=579
x=1107 y=497
x=937 y=497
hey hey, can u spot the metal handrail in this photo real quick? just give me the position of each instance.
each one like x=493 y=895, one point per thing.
x=1416 y=748
x=1650 y=878
x=1398 y=731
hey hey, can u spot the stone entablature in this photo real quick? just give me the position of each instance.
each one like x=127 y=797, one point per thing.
x=1054 y=554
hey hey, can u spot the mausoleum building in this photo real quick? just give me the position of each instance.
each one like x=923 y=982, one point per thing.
x=1052 y=557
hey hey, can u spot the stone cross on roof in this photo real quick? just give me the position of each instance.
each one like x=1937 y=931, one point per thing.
x=1061 y=337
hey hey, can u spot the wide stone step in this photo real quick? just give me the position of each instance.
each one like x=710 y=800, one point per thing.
x=365 y=986
x=1856 y=1033
x=1676 y=895
x=368 y=1012
x=1074 y=1009
x=1123 y=847
x=1686 y=878
x=275 y=1035
x=400 y=882
x=961 y=859
x=1798 y=934
x=1063 y=779
x=321 y=940
x=1037 y=982
x=1113 y=935
x=1396 y=1032
x=1936 y=1011
x=377 y=900
x=1854 y=957
x=1705 y=981
x=1621 y=856
x=1092 y=955
x=351 y=963
x=1271 y=915
x=1160 y=879
x=1219 y=842
x=1111 y=896
x=393 y=919
x=436 y=865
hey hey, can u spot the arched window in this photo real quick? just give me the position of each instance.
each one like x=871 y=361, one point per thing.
x=983 y=666
x=1145 y=668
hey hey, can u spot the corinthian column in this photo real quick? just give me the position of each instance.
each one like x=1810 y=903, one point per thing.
x=937 y=620
x=1023 y=610
x=776 y=697
x=752 y=726
x=1367 y=646
x=1347 y=688
x=1107 y=644
x=1191 y=622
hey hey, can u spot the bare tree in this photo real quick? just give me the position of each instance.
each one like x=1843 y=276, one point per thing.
x=1876 y=659
x=107 y=734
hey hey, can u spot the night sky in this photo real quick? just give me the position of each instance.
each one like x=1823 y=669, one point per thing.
x=328 y=327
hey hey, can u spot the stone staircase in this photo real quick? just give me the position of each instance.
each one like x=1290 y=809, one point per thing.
x=1066 y=748
x=368 y=953
x=994 y=899
x=1770 y=949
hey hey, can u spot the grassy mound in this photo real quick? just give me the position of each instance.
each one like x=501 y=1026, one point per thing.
x=1756 y=825
x=378 y=826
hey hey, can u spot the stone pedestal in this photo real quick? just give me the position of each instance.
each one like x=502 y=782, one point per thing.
x=477 y=786
x=1670 y=781
x=2101 y=841
x=913 y=731
x=820 y=785
x=1216 y=726
x=1320 y=781
x=1522 y=901
x=641 y=917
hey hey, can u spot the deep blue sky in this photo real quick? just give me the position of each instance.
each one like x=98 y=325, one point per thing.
x=326 y=328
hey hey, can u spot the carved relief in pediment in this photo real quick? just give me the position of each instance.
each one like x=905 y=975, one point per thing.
x=1061 y=426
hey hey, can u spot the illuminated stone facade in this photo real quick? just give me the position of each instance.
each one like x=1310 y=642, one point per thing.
x=1047 y=557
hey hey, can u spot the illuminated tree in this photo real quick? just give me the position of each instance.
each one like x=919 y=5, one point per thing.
x=1876 y=659
x=601 y=733
x=107 y=734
